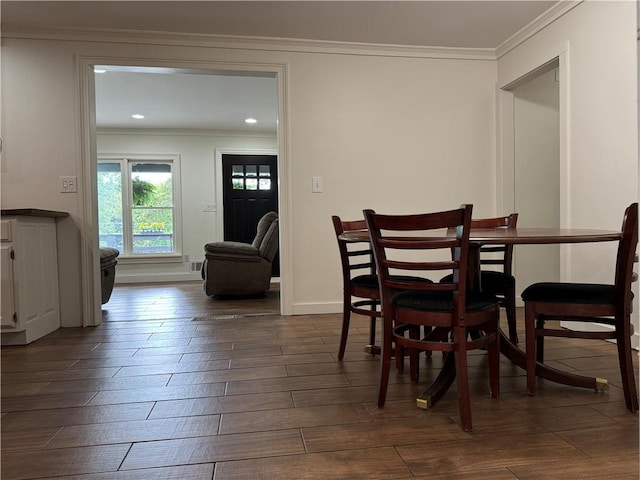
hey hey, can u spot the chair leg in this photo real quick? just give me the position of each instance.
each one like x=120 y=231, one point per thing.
x=427 y=331
x=346 y=315
x=623 y=340
x=530 y=343
x=462 y=378
x=385 y=361
x=510 y=309
x=372 y=330
x=494 y=365
x=414 y=366
x=540 y=341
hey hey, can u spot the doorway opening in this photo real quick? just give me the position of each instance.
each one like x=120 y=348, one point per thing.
x=536 y=165
x=95 y=133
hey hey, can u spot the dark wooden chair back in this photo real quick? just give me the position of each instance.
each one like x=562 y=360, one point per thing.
x=501 y=255
x=500 y=282
x=361 y=294
x=421 y=245
x=626 y=258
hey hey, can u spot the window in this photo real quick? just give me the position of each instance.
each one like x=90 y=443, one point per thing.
x=137 y=206
x=247 y=177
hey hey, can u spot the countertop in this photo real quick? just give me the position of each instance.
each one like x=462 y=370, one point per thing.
x=32 y=212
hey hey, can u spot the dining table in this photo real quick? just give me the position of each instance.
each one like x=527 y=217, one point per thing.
x=479 y=237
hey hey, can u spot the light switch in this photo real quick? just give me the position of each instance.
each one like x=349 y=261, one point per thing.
x=68 y=184
x=316 y=184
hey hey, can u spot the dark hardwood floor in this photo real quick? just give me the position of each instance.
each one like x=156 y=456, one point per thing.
x=176 y=385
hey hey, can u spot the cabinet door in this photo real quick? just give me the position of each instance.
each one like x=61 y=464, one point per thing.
x=6 y=287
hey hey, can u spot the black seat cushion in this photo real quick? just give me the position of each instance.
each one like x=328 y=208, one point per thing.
x=562 y=292
x=441 y=301
x=371 y=281
x=491 y=281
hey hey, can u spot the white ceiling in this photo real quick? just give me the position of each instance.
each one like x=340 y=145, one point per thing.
x=191 y=100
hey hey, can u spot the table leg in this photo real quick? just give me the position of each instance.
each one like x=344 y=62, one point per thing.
x=447 y=375
x=517 y=356
x=445 y=378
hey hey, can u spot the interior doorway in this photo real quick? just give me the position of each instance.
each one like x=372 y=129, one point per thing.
x=90 y=257
x=536 y=167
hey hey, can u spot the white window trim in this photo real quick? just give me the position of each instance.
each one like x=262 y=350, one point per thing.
x=174 y=158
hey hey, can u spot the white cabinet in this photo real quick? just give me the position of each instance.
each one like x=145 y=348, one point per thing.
x=29 y=278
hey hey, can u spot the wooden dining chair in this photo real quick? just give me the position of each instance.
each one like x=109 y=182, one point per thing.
x=500 y=282
x=448 y=307
x=609 y=304
x=360 y=292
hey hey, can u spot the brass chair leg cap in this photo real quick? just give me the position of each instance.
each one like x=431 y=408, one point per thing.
x=601 y=384
x=423 y=403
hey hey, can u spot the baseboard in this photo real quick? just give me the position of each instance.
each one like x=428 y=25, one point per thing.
x=316 y=308
x=157 y=277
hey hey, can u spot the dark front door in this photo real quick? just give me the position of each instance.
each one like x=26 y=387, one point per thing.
x=250 y=189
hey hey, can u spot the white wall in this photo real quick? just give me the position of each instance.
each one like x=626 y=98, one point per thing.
x=596 y=42
x=390 y=132
x=197 y=172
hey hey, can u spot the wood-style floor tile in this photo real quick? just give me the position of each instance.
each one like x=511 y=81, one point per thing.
x=158 y=393
x=369 y=464
x=490 y=452
x=128 y=361
x=68 y=461
x=187 y=472
x=294 y=418
x=116 y=383
x=238 y=374
x=40 y=402
x=58 y=375
x=171 y=367
x=27 y=439
x=281 y=360
x=136 y=431
x=614 y=468
x=228 y=404
x=76 y=416
x=213 y=449
x=288 y=383
x=174 y=385
x=381 y=434
x=597 y=443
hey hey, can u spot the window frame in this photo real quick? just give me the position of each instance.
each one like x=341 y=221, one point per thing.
x=126 y=161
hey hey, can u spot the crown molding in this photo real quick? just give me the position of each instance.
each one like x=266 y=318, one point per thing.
x=184 y=132
x=528 y=31
x=243 y=43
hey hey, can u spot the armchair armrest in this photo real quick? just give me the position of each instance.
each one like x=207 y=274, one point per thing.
x=235 y=249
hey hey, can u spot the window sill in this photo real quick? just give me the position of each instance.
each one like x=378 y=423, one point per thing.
x=146 y=259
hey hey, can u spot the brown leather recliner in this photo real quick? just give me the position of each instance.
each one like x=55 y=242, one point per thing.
x=108 y=262
x=234 y=268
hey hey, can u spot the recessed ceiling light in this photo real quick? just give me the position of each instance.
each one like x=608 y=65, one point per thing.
x=250 y=120
x=99 y=70
x=137 y=116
